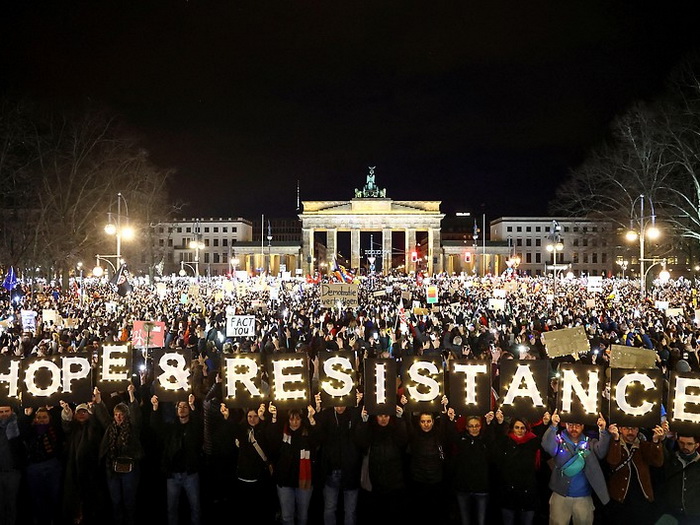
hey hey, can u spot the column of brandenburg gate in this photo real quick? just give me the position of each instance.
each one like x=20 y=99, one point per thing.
x=371 y=210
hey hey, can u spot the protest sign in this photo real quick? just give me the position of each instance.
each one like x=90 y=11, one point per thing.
x=240 y=326
x=333 y=293
x=567 y=341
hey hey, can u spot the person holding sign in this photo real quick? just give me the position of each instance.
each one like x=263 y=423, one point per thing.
x=81 y=482
x=43 y=441
x=517 y=456
x=577 y=472
x=121 y=452
x=385 y=439
x=181 y=443
x=292 y=445
x=426 y=442
x=253 y=467
x=471 y=464
x=629 y=484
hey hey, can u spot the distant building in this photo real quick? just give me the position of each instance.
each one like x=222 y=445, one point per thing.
x=580 y=245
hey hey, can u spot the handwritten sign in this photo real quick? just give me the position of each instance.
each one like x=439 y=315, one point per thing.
x=334 y=293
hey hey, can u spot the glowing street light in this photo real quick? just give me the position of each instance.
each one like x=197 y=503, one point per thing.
x=646 y=230
x=121 y=231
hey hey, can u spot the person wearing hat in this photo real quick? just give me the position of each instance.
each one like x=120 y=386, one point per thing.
x=577 y=471
x=121 y=453
x=81 y=494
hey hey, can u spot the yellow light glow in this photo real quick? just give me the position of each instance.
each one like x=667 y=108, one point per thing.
x=98 y=271
x=127 y=233
x=631 y=235
x=653 y=233
x=110 y=229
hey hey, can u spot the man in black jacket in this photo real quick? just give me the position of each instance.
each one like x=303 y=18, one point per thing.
x=10 y=465
x=341 y=460
x=182 y=450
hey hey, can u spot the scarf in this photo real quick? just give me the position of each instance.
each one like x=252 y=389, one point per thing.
x=304 y=459
x=524 y=439
x=118 y=439
x=10 y=427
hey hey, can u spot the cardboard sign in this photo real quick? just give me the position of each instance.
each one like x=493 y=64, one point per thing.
x=661 y=305
x=50 y=317
x=148 y=334
x=424 y=382
x=590 y=303
x=523 y=388
x=289 y=380
x=497 y=304
x=470 y=386
x=380 y=386
x=242 y=380
x=674 y=312
x=240 y=326
x=684 y=403
x=70 y=322
x=431 y=295
x=193 y=290
x=568 y=341
x=634 y=397
x=406 y=296
x=334 y=293
x=337 y=379
x=173 y=377
x=580 y=394
x=114 y=363
x=420 y=311
x=622 y=356
x=379 y=293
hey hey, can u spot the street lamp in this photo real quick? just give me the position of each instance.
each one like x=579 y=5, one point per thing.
x=269 y=247
x=196 y=244
x=98 y=271
x=116 y=228
x=555 y=245
x=645 y=231
x=183 y=272
x=624 y=263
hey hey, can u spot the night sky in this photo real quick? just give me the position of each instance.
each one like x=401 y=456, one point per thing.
x=483 y=105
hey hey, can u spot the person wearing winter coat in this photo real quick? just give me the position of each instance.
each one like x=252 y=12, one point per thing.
x=293 y=449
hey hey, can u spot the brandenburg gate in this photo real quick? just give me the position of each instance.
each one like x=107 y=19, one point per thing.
x=371 y=210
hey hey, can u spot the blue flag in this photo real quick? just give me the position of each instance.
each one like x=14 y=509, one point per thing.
x=10 y=280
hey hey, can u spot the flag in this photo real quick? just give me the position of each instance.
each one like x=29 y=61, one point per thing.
x=341 y=273
x=402 y=313
x=10 y=280
x=121 y=281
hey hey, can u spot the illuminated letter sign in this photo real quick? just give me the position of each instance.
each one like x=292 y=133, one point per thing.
x=424 y=381
x=684 y=403
x=290 y=380
x=380 y=386
x=580 y=397
x=524 y=387
x=114 y=365
x=337 y=379
x=172 y=374
x=635 y=397
x=470 y=387
x=241 y=380
x=9 y=380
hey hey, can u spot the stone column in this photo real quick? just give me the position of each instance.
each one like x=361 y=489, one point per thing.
x=331 y=245
x=386 y=248
x=307 y=250
x=410 y=245
x=355 y=249
x=434 y=251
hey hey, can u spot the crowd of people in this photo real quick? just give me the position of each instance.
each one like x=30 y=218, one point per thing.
x=127 y=457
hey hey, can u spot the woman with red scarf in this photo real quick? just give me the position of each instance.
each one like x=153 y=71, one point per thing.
x=517 y=454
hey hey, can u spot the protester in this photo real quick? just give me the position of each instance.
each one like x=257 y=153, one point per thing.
x=682 y=481
x=577 y=472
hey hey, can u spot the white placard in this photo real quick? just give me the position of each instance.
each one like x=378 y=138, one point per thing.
x=240 y=326
x=595 y=283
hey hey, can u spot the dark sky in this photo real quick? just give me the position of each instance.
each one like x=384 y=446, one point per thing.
x=483 y=105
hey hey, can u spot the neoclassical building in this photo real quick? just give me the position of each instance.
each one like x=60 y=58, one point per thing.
x=372 y=211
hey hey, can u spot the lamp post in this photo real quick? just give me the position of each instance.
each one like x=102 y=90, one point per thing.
x=116 y=228
x=183 y=272
x=645 y=230
x=269 y=248
x=79 y=266
x=624 y=263
x=98 y=271
x=555 y=245
x=196 y=244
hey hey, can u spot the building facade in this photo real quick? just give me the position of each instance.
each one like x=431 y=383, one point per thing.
x=545 y=244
